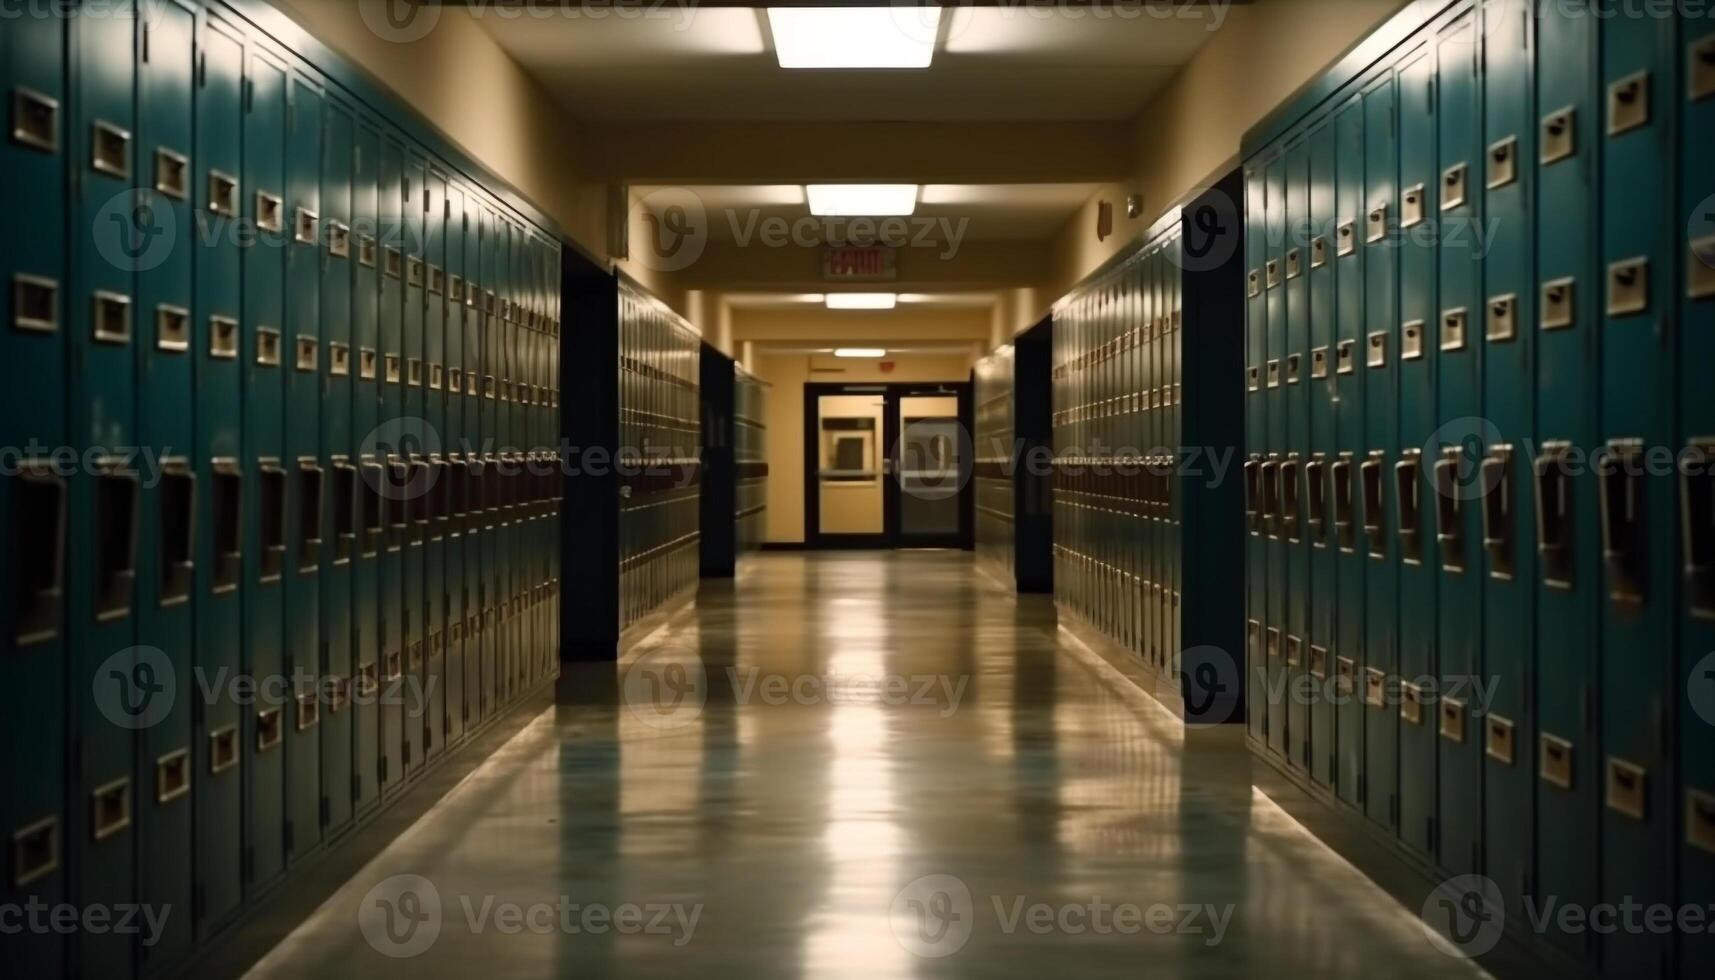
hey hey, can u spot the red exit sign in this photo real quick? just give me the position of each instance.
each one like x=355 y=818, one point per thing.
x=858 y=263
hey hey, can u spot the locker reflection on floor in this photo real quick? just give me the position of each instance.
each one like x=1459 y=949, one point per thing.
x=794 y=837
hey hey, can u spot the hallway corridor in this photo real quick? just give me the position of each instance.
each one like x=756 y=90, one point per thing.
x=860 y=765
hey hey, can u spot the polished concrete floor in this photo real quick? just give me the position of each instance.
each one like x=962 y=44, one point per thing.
x=860 y=765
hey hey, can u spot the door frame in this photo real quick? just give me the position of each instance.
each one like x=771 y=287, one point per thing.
x=890 y=537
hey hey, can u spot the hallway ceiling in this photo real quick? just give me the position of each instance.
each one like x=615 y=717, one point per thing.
x=992 y=64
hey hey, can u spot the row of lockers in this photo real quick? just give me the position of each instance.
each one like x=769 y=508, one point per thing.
x=279 y=489
x=750 y=460
x=733 y=478
x=993 y=477
x=1480 y=283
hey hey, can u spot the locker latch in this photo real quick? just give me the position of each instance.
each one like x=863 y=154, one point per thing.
x=1554 y=518
x=1700 y=268
x=269 y=729
x=1294 y=263
x=115 y=539
x=1498 y=739
x=1452 y=477
x=339 y=239
x=1502 y=319
x=1702 y=70
x=36 y=120
x=1408 y=479
x=1377 y=356
x=35 y=851
x=1410 y=703
x=267 y=346
x=1628 y=287
x=1558 y=303
x=1318 y=252
x=1345 y=531
x=1375 y=224
x=1315 y=477
x=1628 y=103
x=1374 y=529
x=1411 y=340
x=1559 y=135
x=344 y=510
x=37 y=528
x=272 y=478
x=172 y=776
x=339 y=360
x=308 y=709
x=110 y=149
x=1346 y=238
x=172 y=173
x=228 y=542
x=1411 y=206
x=1375 y=688
x=304 y=227
x=35 y=303
x=1620 y=468
x=270 y=208
x=111 y=317
x=1700 y=819
x=440 y=495
x=177 y=497
x=1345 y=676
x=1270 y=494
x=222 y=338
x=1288 y=497
x=222 y=749
x=366 y=251
x=1697 y=523
x=1627 y=789
x=373 y=520
x=110 y=809
x=1343 y=361
x=398 y=515
x=1452 y=714
x=1454 y=182
x=1453 y=329
x=1498 y=531
x=1319 y=363
x=172 y=328
x=1503 y=163
x=1318 y=662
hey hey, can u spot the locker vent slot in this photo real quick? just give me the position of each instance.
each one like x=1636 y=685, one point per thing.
x=228 y=525
x=1408 y=483
x=1452 y=478
x=1344 y=363
x=222 y=338
x=1454 y=182
x=222 y=749
x=1499 y=740
x=115 y=540
x=1411 y=341
x=111 y=317
x=35 y=852
x=270 y=211
x=1318 y=662
x=1374 y=530
x=268 y=729
x=307 y=358
x=344 y=512
x=177 y=495
x=1375 y=688
x=38 y=529
x=1697 y=520
x=339 y=239
x=1502 y=320
x=1411 y=703
x=1453 y=332
x=1554 y=515
x=339 y=360
x=1503 y=163
x=1700 y=268
x=1628 y=104
x=1700 y=70
x=1345 y=531
x=1700 y=819
x=172 y=173
x=35 y=303
x=1411 y=206
x=1318 y=252
x=308 y=710
x=373 y=509
x=366 y=251
x=1627 y=789
x=309 y=515
x=1319 y=363
x=172 y=328
x=1346 y=238
x=267 y=347
x=1345 y=676
x=110 y=809
x=1375 y=224
x=1559 y=136
x=1498 y=530
x=1622 y=475
x=1316 y=482
x=1377 y=356
x=304 y=227
x=273 y=519
x=173 y=776
x=1452 y=716
x=1628 y=287
x=35 y=120
x=110 y=150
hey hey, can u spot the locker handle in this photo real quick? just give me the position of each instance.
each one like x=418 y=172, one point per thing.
x=38 y=523
x=1270 y=474
x=178 y=531
x=398 y=515
x=110 y=809
x=36 y=120
x=272 y=478
x=439 y=494
x=1450 y=508
x=1344 y=530
x=1497 y=486
x=1554 y=527
x=344 y=511
x=228 y=489
x=417 y=491
x=1697 y=522
x=116 y=541
x=373 y=509
x=1317 y=485
x=1370 y=471
x=1407 y=482
x=35 y=851
x=1289 y=497
x=1623 y=501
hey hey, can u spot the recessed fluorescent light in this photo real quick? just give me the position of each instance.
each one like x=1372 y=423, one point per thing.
x=862 y=301
x=861 y=200
x=855 y=37
x=870 y=352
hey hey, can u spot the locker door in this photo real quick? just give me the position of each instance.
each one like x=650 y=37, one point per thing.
x=216 y=779
x=33 y=625
x=1351 y=438
x=1295 y=449
x=413 y=198
x=167 y=529
x=453 y=439
x=507 y=566
x=1638 y=254
x=1506 y=514
x=487 y=577
x=1378 y=354
x=340 y=525
x=1319 y=379
x=1566 y=532
x=1138 y=434
x=104 y=506
x=265 y=552
x=1697 y=428
x=395 y=472
x=475 y=434
x=434 y=567
x=307 y=472
x=1259 y=703
x=368 y=610
x=1276 y=624
x=1408 y=477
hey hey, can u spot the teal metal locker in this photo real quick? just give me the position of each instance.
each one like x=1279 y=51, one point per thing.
x=414 y=450
x=1258 y=703
x=1379 y=354
x=112 y=689
x=1408 y=476
x=166 y=403
x=475 y=709
x=1351 y=447
x=1275 y=624
x=487 y=480
x=1503 y=483
x=391 y=446
x=1696 y=799
x=1295 y=451
x=34 y=720
x=436 y=489
x=265 y=552
x=1318 y=370
x=368 y=652
x=506 y=567
x=341 y=518
x=223 y=542
x=1567 y=536
x=1637 y=256
x=453 y=439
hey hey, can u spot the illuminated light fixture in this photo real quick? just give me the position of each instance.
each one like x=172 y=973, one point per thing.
x=866 y=352
x=855 y=37
x=862 y=301
x=861 y=200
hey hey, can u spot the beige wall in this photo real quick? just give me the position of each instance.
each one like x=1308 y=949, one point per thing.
x=787 y=375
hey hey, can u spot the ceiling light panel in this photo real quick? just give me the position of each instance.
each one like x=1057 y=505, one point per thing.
x=862 y=301
x=855 y=37
x=870 y=352
x=861 y=200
